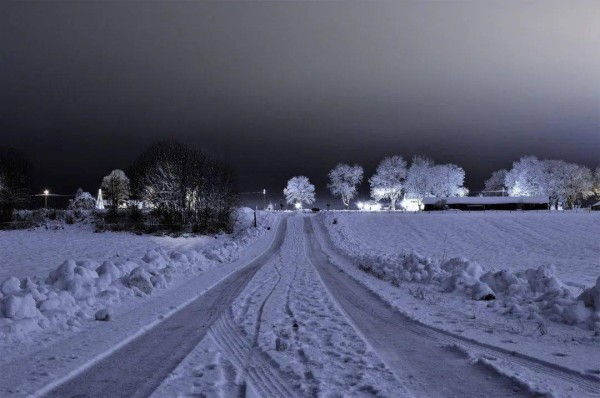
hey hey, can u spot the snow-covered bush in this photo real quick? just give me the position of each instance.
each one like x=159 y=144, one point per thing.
x=83 y=201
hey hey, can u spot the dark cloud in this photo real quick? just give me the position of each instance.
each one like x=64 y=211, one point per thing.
x=281 y=88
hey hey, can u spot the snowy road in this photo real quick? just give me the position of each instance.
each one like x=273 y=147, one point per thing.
x=291 y=324
x=136 y=369
x=426 y=356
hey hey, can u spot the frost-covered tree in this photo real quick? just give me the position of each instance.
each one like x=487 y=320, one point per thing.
x=299 y=190
x=184 y=186
x=83 y=201
x=419 y=181
x=567 y=182
x=495 y=186
x=596 y=185
x=116 y=187
x=343 y=181
x=562 y=182
x=447 y=180
x=526 y=178
x=388 y=180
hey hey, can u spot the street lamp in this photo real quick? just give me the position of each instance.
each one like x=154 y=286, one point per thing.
x=298 y=205
x=264 y=198
x=46 y=193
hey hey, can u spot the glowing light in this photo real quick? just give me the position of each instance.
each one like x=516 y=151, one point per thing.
x=298 y=205
x=373 y=207
x=410 y=205
x=369 y=205
x=46 y=192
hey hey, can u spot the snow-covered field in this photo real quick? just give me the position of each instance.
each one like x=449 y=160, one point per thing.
x=56 y=279
x=28 y=253
x=280 y=319
x=513 y=241
x=517 y=327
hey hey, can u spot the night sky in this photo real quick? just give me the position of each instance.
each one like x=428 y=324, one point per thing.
x=283 y=89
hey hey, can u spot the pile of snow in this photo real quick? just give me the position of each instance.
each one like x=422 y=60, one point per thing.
x=531 y=293
x=79 y=290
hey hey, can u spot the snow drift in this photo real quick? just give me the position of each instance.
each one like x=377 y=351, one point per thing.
x=532 y=293
x=80 y=290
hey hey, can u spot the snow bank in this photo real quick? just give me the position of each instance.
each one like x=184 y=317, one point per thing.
x=532 y=293
x=82 y=290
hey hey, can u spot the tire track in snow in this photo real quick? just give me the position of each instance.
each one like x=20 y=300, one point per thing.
x=444 y=339
x=137 y=368
x=262 y=372
x=261 y=309
x=415 y=358
x=244 y=351
x=308 y=375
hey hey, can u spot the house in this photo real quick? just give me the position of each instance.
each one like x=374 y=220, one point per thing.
x=488 y=203
x=595 y=206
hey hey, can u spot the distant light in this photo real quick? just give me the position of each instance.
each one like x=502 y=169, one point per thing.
x=46 y=192
x=264 y=191
x=360 y=205
x=410 y=205
x=298 y=205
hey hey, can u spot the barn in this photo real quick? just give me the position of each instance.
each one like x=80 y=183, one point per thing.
x=488 y=203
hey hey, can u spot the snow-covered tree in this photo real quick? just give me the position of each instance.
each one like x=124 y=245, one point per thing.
x=567 y=182
x=185 y=186
x=83 y=201
x=495 y=186
x=526 y=178
x=299 y=190
x=447 y=180
x=419 y=181
x=596 y=186
x=343 y=181
x=116 y=187
x=562 y=182
x=388 y=181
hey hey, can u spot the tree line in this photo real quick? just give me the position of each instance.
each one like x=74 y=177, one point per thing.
x=564 y=183
x=394 y=180
x=178 y=184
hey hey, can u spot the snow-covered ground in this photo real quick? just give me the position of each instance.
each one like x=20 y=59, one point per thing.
x=36 y=252
x=267 y=313
x=112 y=268
x=513 y=241
x=356 y=245
x=284 y=336
x=288 y=334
